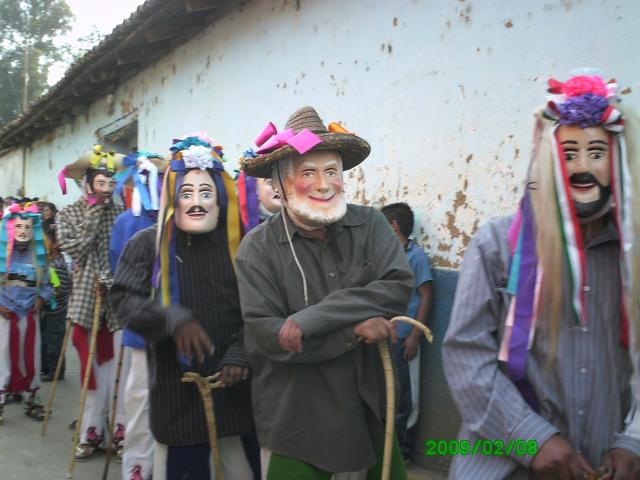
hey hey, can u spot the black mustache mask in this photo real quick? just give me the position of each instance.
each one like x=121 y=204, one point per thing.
x=197 y=209
x=586 y=210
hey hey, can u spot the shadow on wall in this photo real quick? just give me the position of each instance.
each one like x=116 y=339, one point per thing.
x=439 y=418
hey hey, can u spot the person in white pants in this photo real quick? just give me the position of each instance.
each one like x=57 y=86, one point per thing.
x=24 y=289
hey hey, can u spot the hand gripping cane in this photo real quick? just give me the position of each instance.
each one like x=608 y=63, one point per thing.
x=52 y=393
x=391 y=392
x=205 y=385
x=87 y=375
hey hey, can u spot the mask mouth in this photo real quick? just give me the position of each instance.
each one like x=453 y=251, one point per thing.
x=323 y=199
x=197 y=212
x=584 y=182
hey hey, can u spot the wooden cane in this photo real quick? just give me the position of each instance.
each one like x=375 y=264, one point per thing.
x=114 y=409
x=205 y=385
x=52 y=393
x=87 y=375
x=387 y=365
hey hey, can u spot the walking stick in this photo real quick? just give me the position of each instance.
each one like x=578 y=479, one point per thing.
x=114 y=408
x=52 y=393
x=391 y=392
x=205 y=385
x=87 y=376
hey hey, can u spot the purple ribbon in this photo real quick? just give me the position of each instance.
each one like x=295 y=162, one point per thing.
x=525 y=299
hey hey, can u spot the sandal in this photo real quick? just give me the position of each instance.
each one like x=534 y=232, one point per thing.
x=86 y=450
x=35 y=411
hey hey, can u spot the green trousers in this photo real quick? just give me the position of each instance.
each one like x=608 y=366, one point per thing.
x=285 y=468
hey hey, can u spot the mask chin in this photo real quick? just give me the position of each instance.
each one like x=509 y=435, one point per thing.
x=22 y=245
x=587 y=212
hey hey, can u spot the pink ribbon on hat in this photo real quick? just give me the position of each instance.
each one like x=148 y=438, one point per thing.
x=270 y=139
x=61 y=180
x=14 y=208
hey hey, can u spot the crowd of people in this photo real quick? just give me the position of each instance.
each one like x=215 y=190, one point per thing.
x=238 y=321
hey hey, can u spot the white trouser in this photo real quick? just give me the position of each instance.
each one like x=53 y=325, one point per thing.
x=138 y=445
x=100 y=400
x=414 y=379
x=235 y=465
x=265 y=457
x=5 y=351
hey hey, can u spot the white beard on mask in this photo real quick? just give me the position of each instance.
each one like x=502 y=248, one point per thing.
x=314 y=217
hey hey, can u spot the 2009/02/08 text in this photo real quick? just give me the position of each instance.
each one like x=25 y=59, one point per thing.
x=486 y=447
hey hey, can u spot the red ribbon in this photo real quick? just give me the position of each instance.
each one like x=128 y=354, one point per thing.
x=20 y=382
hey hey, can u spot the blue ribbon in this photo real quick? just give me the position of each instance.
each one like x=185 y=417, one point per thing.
x=131 y=171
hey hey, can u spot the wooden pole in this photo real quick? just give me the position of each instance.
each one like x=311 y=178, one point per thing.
x=52 y=393
x=387 y=365
x=114 y=409
x=205 y=385
x=87 y=376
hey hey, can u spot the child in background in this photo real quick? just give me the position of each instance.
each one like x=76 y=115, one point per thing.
x=405 y=351
x=52 y=323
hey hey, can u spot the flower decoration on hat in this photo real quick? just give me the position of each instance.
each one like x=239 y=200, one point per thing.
x=102 y=160
x=196 y=151
x=586 y=101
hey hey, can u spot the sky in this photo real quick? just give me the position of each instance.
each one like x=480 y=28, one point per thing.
x=103 y=15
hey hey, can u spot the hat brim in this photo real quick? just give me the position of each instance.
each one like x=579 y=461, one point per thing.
x=77 y=169
x=352 y=149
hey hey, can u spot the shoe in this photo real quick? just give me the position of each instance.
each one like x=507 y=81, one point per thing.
x=86 y=450
x=136 y=473
x=33 y=408
x=35 y=411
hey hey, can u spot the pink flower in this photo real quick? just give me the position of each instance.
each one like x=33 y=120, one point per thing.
x=582 y=84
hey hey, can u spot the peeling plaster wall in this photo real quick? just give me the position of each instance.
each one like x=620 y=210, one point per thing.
x=10 y=172
x=444 y=92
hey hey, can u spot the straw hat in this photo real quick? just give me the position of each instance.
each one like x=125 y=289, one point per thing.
x=351 y=148
x=96 y=159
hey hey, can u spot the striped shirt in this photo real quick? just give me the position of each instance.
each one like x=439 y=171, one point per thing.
x=208 y=294
x=584 y=395
x=85 y=237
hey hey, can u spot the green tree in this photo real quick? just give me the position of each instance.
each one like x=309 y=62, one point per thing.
x=28 y=30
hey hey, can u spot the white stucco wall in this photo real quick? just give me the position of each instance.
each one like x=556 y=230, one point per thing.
x=443 y=91
x=10 y=172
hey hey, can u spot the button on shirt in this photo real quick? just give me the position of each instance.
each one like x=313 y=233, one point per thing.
x=324 y=406
x=584 y=395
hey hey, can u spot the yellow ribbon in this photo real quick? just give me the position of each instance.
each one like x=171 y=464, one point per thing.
x=233 y=216
x=166 y=238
